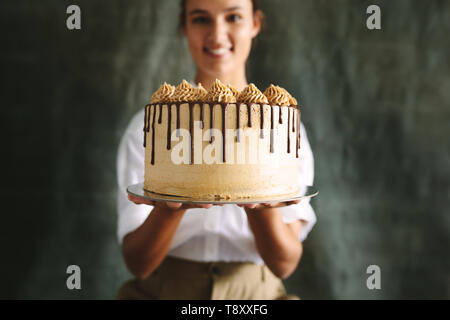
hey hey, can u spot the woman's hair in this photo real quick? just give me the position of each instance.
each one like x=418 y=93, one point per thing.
x=182 y=21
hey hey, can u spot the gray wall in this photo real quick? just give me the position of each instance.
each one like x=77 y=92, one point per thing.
x=376 y=107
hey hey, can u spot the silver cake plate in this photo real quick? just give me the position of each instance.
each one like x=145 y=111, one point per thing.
x=138 y=191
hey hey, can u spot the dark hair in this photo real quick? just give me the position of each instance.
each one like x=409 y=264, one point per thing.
x=182 y=21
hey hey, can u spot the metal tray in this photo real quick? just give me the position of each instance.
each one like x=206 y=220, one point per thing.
x=137 y=190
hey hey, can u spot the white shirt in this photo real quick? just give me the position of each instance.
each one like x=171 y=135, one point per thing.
x=214 y=234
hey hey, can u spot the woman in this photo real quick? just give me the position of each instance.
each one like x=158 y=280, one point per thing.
x=179 y=251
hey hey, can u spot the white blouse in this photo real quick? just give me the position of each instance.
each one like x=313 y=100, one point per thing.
x=214 y=234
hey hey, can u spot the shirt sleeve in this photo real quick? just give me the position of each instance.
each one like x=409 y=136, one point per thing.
x=303 y=210
x=130 y=170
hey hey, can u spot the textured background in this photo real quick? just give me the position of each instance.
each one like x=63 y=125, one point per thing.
x=376 y=107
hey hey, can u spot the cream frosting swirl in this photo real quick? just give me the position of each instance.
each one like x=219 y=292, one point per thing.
x=278 y=96
x=220 y=93
x=201 y=92
x=292 y=100
x=163 y=94
x=234 y=90
x=185 y=92
x=251 y=94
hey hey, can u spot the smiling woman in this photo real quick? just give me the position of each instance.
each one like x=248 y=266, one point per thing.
x=186 y=251
x=219 y=35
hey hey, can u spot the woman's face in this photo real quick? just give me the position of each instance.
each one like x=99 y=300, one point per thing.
x=220 y=33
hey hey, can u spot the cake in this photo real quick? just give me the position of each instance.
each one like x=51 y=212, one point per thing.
x=189 y=153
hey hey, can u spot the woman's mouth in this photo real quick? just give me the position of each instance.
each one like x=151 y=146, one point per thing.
x=217 y=53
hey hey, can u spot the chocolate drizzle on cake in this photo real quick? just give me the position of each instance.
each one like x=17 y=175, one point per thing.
x=169 y=124
x=224 y=126
x=152 y=116
x=261 y=132
x=293 y=120
x=280 y=118
x=149 y=108
x=145 y=125
x=169 y=96
x=211 y=121
x=201 y=116
x=271 y=129
x=298 y=134
x=238 y=125
x=178 y=120
x=249 y=111
x=288 y=132
x=191 y=131
x=153 y=135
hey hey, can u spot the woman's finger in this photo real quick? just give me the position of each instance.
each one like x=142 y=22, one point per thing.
x=196 y=206
x=200 y=206
x=174 y=205
x=249 y=205
x=272 y=204
x=137 y=200
x=292 y=202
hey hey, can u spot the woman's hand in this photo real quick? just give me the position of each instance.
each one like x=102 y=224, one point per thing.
x=261 y=206
x=168 y=205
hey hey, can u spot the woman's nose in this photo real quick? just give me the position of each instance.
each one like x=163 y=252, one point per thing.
x=218 y=34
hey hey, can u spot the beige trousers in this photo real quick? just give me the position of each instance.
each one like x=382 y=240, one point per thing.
x=180 y=279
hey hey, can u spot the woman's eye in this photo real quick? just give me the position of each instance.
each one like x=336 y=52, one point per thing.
x=200 y=20
x=233 y=18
